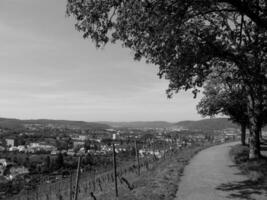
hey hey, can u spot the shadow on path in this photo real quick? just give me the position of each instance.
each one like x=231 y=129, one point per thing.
x=243 y=189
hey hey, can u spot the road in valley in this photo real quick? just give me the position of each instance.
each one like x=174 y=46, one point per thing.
x=211 y=175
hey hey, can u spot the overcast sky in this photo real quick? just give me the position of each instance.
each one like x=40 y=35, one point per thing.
x=49 y=71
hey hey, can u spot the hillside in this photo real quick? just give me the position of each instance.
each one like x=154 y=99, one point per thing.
x=207 y=124
x=10 y=123
x=140 y=124
x=16 y=123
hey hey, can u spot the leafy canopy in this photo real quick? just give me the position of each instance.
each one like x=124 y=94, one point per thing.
x=223 y=94
x=187 y=39
x=224 y=98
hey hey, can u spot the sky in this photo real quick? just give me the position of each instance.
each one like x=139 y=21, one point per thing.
x=47 y=70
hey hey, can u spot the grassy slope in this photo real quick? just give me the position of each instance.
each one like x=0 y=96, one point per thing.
x=255 y=169
x=160 y=183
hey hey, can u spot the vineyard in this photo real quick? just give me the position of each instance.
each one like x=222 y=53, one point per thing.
x=93 y=184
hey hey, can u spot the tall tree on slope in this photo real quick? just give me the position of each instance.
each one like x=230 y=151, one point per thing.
x=227 y=99
x=188 y=40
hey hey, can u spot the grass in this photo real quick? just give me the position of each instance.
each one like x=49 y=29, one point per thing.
x=160 y=183
x=256 y=170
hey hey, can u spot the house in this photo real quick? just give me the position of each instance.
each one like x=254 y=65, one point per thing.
x=70 y=152
x=13 y=148
x=21 y=148
x=55 y=152
x=11 y=142
x=79 y=137
x=2 y=148
x=78 y=143
x=36 y=147
x=83 y=137
x=264 y=133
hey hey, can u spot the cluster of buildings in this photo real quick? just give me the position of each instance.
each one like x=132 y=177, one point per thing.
x=95 y=142
x=97 y=146
x=34 y=147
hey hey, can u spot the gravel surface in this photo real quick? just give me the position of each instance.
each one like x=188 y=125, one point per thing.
x=211 y=175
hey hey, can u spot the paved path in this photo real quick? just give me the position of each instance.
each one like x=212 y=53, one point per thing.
x=211 y=175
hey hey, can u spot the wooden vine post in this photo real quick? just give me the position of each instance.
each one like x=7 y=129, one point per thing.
x=77 y=179
x=70 y=185
x=115 y=167
x=137 y=158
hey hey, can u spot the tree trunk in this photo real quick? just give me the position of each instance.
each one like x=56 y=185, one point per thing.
x=243 y=134
x=254 y=144
x=254 y=114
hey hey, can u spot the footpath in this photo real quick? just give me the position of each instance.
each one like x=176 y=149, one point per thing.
x=211 y=175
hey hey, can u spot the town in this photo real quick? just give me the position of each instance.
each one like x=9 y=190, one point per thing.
x=46 y=153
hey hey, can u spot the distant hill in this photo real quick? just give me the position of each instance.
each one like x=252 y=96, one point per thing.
x=10 y=123
x=140 y=124
x=16 y=123
x=207 y=124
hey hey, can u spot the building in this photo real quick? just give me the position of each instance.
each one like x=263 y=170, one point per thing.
x=264 y=133
x=79 y=137
x=21 y=148
x=2 y=148
x=37 y=147
x=78 y=143
x=11 y=142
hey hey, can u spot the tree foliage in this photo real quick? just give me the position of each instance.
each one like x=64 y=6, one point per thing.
x=184 y=38
x=225 y=98
x=58 y=162
x=188 y=40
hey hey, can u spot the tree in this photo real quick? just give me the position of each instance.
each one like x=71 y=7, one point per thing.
x=62 y=144
x=88 y=144
x=27 y=162
x=59 y=161
x=226 y=99
x=188 y=40
x=88 y=160
x=15 y=159
x=47 y=164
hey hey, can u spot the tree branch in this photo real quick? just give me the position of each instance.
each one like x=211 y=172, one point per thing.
x=212 y=11
x=245 y=9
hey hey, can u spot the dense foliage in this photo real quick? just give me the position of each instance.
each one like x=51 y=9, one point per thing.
x=188 y=40
x=227 y=98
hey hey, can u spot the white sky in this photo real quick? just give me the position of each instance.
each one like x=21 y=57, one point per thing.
x=48 y=71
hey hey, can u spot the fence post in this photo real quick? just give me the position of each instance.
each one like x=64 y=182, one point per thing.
x=77 y=179
x=70 y=185
x=137 y=158
x=115 y=170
